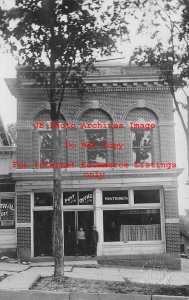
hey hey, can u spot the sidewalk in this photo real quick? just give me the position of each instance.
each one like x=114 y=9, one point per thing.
x=22 y=277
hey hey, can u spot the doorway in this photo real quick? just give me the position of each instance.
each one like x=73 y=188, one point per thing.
x=73 y=220
x=43 y=233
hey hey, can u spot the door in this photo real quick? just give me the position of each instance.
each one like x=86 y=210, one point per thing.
x=73 y=220
x=43 y=233
x=69 y=233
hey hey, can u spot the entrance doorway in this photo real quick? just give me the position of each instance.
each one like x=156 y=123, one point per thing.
x=73 y=220
x=43 y=233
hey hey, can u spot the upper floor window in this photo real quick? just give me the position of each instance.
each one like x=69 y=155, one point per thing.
x=142 y=145
x=96 y=145
x=46 y=147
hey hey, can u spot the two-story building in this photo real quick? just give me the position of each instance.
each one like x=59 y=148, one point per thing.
x=118 y=165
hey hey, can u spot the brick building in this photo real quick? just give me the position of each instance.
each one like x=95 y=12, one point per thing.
x=129 y=187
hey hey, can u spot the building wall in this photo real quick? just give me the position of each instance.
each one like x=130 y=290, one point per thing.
x=113 y=102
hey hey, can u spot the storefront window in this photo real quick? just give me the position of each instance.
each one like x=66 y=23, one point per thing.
x=132 y=225
x=78 y=198
x=46 y=147
x=43 y=199
x=142 y=146
x=146 y=196
x=96 y=150
x=7 y=220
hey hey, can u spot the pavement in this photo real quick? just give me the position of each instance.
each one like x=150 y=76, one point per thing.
x=22 y=277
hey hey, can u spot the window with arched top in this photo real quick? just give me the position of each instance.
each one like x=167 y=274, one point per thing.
x=95 y=133
x=43 y=144
x=144 y=132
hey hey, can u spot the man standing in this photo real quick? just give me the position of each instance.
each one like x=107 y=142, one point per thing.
x=94 y=241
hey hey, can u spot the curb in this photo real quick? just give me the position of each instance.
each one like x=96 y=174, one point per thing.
x=41 y=295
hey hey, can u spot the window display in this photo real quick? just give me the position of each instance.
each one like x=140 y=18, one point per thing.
x=132 y=225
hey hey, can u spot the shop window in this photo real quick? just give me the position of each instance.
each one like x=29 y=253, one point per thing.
x=146 y=196
x=132 y=225
x=96 y=150
x=43 y=199
x=7 y=216
x=142 y=145
x=46 y=147
x=78 y=198
x=115 y=197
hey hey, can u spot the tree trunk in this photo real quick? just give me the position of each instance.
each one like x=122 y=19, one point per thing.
x=58 y=249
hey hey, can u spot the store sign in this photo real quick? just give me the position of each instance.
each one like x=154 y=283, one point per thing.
x=70 y=198
x=7 y=213
x=86 y=198
x=115 y=197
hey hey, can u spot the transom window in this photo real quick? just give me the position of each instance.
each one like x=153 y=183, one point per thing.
x=96 y=150
x=46 y=147
x=142 y=146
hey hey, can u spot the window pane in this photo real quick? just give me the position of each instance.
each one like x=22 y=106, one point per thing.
x=7 y=213
x=70 y=198
x=86 y=198
x=43 y=199
x=150 y=196
x=132 y=225
x=97 y=137
x=142 y=155
x=96 y=156
x=47 y=156
x=141 y=138
x=46 y=140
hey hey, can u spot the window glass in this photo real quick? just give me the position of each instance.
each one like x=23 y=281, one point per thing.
x=96 y=150
x=7 y=219
x=146 y=196
x=142 y=145
x=78 y=198
x=132 y=225
x=115 y=197
x=86 y=198
x=46 y=147
x=43 y=199
x=70 y=198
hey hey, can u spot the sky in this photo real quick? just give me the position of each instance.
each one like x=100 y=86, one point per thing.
x=8 y=105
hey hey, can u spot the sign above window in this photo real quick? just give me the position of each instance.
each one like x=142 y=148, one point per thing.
x=115 y=197
x=78 y=198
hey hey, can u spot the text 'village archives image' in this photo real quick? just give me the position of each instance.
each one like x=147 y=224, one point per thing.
x=92 y=179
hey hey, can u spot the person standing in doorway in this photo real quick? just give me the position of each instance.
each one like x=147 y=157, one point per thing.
x=81 y=240
x=94 y=241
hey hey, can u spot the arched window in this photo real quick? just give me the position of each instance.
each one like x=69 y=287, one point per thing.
x=94 y=135
x=143 y=125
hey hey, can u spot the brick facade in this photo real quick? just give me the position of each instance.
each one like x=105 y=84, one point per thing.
x=125 y=95
x=23 y=209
